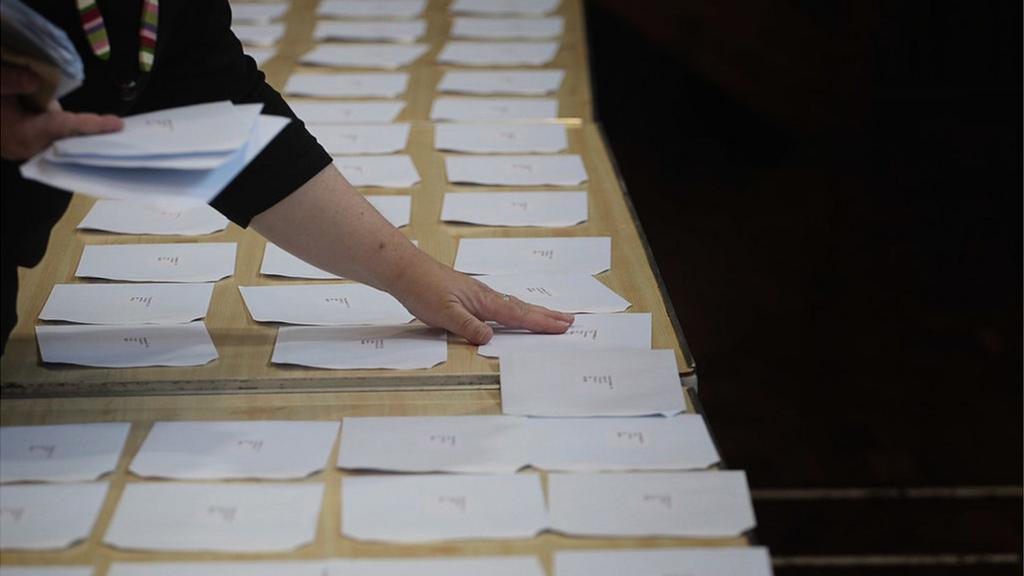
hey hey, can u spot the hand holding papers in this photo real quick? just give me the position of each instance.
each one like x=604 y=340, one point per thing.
x=553 y=170
x=185 y=262
x=127 y=303
x=372 y=85
x=475 y=109
x=48 y=516
x=585 y=255
x=362 y=347
x=135 y=218
x=546 y=209
x=501 y=138
x=127 y=346
x=589 y=331
x=495 y=28
x=60 y=453
x=521 y=83
x=572 y=293
x=324 y=305
x=498 y=53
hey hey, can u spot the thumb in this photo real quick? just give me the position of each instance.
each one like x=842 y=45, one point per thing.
x=60 y=124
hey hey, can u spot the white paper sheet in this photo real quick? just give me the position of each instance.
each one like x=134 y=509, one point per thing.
x=45 y=570
x=726 y=561
x=127 y=346
x=257 y=568
x=48 y=516
x=60 y=453
x=257 y=12
x=361 y=138
x=258 y=34
x=396 y=209
x=544 y=209
x=347 y=112
x=259 y=449
x=235 y=517
x=375 y=9
x=521 y=83
x=179 y=262
x=492 y=109
x=593 y=331
x=127 y=303
x=646 y=504
x=348 y=85
x=525 y=170
x=391 y=171
x=260 y=55
x=585 y=254
x=528 y=7
x=364 y=55
x=465 y=53
x=578 y=293
x=496 y=28
x=134 y=218
x=324 y=305
x=591 y=382
x=277 y=262
x=378 y=30
x=163 y=187
x=462 y=566
x=432 y=508
x=361 y=347
x=501 y=138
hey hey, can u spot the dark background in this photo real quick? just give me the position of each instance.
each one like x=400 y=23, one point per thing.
x=832 y=192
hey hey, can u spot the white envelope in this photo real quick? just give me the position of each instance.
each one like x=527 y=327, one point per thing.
x=546 y=209
x=380 y=30
x=494 y=28
x=127 y=303
x=461 y=566
x=235 y=517
x=361 y=347
x=48 y=516
x=478 y=109
x=432 y=508
x=578 y=293
x=277 y=262
x=260 y=55
x=364 y=55
x=528 y=7
x=501 y=138
x=585 y=254
x=61 y=452
x=46 y=571
x=591 y=382
x=375 y=9
x=324 y=305
x=498 y=53
x=135 y=218
x=391 y=171
x=593 y=331
x=523 y=83
x=550 y=170
x=348 y=112
x=179 y=262
x=648 y=504
x=258 y=34
x=259 y=449
x=256 y=568
x=749 y=561
x=348 y=85
x=361 y=138
x=127 y=346
x=257 y=12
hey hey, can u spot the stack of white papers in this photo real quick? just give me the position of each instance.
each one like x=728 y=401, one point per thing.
x=495 y=28
x=525 y=7
x=587 y=255
x=591 y=383
x=520 y=83
x=461 y=566
x=639 y=504
x=498 y=53
x=589 y=331
x=545 y=209
x=127 y=303
x=361 y=347
x=365 y=55
x=127 y=346
x=348 y=112
x=60 y=453
x=236 y=517
x=324 y=305
x=752 y=561
x=392 y=171
x=268 y=449
x=46 y=571
x=135 y=218
x=553 y=170
x=361 y=138
x=191 y=262
x=432 y=508
x=382 y=30
x=48 y=516
x=175 y=156
x=375 y=9
x=578 y=293
x=501 y=138
x=258 y=34
x=257 y=12
x=479 y=109
x=348 y=85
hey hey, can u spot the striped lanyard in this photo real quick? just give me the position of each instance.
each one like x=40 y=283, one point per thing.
x=96 y=31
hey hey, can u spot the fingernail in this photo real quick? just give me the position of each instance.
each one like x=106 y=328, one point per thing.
x=563 y=323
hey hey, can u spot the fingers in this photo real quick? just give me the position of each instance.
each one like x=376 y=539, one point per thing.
x=459 y=321
x=17 y=80
x=514 y=313
x=57 y=125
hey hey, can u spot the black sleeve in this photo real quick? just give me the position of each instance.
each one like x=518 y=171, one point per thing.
x=202 y=61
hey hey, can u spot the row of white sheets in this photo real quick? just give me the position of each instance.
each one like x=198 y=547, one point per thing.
x=392 y=56
x=398 y=171
x=719 y=561
x=279 y=517
x=348 y=139
x=413 y=8
x=392 y=84
x=462 y=27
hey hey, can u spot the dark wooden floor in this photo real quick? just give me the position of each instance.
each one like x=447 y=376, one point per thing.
x=834 y=201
